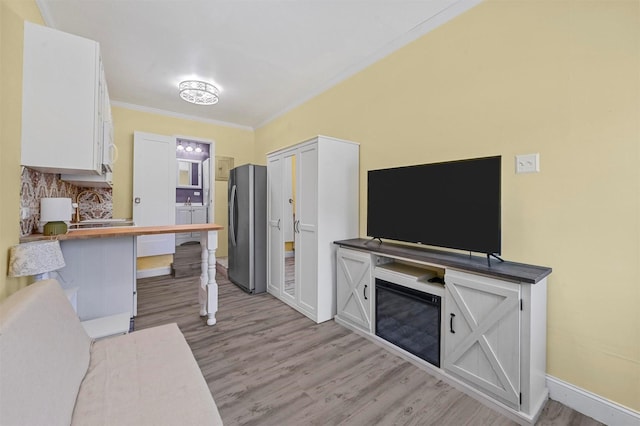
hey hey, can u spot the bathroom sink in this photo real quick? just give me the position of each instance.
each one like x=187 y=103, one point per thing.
x=100 y=223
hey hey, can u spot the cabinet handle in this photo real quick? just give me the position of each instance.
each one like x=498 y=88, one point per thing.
x=113 y=149
x=364 y=292
x=451 y=323
x=278 y=224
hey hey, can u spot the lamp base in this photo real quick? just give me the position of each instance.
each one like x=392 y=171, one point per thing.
x=55 y=228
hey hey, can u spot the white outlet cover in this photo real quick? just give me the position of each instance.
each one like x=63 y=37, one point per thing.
x=528 y=163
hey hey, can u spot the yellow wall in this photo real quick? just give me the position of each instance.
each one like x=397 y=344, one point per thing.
x=12 y=17
x=229 y=142
x=558 y=78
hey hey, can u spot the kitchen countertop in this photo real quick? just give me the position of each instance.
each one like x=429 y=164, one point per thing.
x=122 y=231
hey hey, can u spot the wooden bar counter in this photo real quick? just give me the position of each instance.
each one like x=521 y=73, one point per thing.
x=208 y=291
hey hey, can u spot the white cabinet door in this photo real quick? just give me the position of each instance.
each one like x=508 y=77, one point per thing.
x=104 y=271
x=198 y=215
x=482 y=334
x=154 y=193
x=354 y=290
x=61 y=127
x=275 y=242
x=306 y=239
x=183 y=216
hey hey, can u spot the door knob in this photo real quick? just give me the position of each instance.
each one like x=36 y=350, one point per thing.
x=136 y=200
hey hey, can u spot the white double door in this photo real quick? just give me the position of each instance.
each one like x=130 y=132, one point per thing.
x=293 y=279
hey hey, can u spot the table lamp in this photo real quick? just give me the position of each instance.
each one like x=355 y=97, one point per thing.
x=55 y=211
x=36 y=258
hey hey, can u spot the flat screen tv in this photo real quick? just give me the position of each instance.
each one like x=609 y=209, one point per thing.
x=454 y=204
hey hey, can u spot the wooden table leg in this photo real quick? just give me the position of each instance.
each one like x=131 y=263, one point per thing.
x=208 y=292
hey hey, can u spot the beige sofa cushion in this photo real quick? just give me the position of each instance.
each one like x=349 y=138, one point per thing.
x=148 y=377
x=44 y=354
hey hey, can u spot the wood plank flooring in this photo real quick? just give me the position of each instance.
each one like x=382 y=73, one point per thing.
x=267 y=364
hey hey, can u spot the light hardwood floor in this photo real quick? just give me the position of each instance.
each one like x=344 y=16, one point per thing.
x=267 y=364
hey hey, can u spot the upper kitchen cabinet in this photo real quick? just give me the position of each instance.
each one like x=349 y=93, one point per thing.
x=66 y=114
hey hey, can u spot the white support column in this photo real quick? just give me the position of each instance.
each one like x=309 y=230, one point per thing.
x=208 y=292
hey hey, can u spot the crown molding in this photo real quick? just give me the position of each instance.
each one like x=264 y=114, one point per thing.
x=46 y=13
x=178 y=115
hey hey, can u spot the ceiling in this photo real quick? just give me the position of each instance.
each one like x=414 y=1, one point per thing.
x=265 y=56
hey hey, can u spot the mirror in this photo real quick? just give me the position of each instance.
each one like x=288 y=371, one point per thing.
x=288 y=223
x=188 y=173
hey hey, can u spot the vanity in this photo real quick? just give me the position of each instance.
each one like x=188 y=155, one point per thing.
x=192 y=196
x=190 y=215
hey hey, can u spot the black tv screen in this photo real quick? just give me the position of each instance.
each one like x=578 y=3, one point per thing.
x=453 y=204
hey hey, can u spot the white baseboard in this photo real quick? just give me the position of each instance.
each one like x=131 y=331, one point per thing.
x=154 y=272
x=590 y=404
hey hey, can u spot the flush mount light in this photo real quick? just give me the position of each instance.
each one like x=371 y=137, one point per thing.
x=198 y=92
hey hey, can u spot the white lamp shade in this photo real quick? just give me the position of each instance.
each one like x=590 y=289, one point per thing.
x=55 y=209
x=35 y=258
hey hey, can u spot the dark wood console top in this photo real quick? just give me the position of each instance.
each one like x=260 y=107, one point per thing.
x=520 y=272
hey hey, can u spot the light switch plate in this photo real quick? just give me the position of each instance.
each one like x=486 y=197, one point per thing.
x=528 y=163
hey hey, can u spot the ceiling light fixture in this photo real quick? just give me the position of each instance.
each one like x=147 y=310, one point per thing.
x=199 y=92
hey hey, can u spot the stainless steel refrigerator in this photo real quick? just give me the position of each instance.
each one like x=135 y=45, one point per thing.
x=248 y=228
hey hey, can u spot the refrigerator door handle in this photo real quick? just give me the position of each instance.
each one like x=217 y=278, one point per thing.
x=232 y=207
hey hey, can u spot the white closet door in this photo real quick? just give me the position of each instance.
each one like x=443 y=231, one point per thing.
x=275 y=242
x=154 y=193
x=306 y=228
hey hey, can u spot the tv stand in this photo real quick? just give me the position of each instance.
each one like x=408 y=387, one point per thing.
x=493 y=320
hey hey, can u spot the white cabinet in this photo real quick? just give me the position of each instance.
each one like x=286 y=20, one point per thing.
x=104 y=271
x=482 y=334
x=186 y=215
x=354 y=288
x=325 y=173
x=65 y=103
x=492 y=324
x=499 y=344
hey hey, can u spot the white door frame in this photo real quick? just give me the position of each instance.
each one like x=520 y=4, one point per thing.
x=212 y=175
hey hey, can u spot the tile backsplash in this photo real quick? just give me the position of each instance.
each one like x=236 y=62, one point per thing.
x=36 y=185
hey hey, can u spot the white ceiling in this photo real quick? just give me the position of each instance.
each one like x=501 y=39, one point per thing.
x=266 y=56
